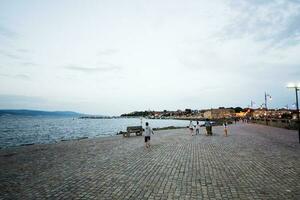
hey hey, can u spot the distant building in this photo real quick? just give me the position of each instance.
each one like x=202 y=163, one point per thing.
x=260 y=113
x=245 y=113
x=200 y=114
x=273 y=113
x=219 y=113
x=241 y=114
x=294 y=114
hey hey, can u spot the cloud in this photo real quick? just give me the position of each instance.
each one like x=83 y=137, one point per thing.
x=107 y=52
x=10 y=55
x=7 y=33
x=108 y=67
x=17 y=76
x=29 y=64
x=19 y=101
x=156 y=47
x=274 y=21
x=23 y=50
x=22 y=76
x=19 y=56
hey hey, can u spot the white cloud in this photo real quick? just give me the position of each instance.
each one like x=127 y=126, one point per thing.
x=112 y=57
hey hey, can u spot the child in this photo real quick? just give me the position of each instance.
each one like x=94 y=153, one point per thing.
x=197 y=128
x=147 y=133
x=225 y=128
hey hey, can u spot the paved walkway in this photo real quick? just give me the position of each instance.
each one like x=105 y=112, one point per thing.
x=253 y=162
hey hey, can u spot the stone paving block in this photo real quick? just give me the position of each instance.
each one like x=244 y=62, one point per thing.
x=253 y=162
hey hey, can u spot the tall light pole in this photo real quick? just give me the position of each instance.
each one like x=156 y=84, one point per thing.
x=296 y=87
x=266 y=105
x=266 y=100
x=252 y=103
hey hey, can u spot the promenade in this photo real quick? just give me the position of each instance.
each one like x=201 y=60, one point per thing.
x=253 y=162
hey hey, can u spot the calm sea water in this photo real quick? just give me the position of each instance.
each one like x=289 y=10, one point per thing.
x=20 y=130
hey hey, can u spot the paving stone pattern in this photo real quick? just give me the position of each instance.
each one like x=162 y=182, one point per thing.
x=253 y=162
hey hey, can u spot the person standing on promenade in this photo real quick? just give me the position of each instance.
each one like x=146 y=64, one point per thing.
x=208 y=127
x=225 y=128
x=197 y=128
x=147 y=134
x=191 y=127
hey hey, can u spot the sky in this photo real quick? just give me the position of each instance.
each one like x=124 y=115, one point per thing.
x=113 y=57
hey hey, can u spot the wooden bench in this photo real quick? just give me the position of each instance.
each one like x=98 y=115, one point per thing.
x=138 y=130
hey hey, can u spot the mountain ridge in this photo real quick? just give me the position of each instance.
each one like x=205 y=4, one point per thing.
x=28 y=112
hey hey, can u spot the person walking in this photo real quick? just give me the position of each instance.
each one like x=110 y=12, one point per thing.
x=147 y=134
x=191 y=127
x=197 y=128
x=208 y=127
x=225 y=128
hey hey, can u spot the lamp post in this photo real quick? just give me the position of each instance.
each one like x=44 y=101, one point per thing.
x=266 y=105
x=252 y=103
x=266 y=99
x=296 y=87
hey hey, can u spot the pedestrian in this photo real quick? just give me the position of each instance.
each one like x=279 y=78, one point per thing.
x=191 y=127
x=197 y=128
x=208 y=127
x=147 y=134
x=225 y=128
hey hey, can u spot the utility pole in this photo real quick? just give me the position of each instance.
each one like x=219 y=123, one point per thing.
x=298 y=116
x=297 y=88
x=266 y=101
x=252 y=104
x=266 y=105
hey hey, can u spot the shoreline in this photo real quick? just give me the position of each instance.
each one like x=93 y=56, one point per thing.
x=96 y=137
x=104 y=136
x=84 y=138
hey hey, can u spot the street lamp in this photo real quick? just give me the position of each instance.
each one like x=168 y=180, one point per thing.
x=252 y=103
x=266 y=98
x=286 y=106
x=296 y=87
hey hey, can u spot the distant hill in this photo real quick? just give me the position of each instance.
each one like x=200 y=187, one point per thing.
x=39 y=113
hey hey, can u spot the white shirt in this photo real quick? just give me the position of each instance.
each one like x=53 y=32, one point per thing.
x=148 y=131
x=198 y=126
x=191 y=125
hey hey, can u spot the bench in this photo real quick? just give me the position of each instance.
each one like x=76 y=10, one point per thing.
x=138 y=130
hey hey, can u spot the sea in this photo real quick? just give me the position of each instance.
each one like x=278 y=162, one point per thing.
x=27 y=130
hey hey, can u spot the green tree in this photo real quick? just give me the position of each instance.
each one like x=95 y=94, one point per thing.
x=238 y=109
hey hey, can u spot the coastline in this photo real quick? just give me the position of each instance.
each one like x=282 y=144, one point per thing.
x=23 y=131
x=102 y=137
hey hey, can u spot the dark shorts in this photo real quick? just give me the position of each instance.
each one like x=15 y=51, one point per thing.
x=147 y=138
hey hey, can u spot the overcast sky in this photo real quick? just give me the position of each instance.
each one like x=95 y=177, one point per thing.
x=111 y=57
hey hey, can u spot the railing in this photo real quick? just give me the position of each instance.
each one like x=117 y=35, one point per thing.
x=281 y=123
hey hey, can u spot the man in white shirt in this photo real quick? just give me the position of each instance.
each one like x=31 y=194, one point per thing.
x=147 y=134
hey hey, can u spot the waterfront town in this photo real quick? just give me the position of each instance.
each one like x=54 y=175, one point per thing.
x=217 y=113
x=283 y=118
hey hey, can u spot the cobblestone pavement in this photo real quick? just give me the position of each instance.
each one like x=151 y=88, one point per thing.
x=253 y=162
